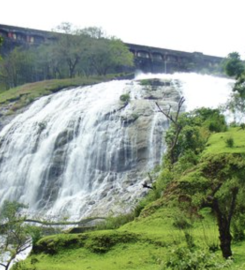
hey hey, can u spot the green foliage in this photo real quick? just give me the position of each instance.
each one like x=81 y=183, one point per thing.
x=151 y=197
x=108 y=55
x=240 y=86
x=186 y=259
x=181 y=222
x=242 y=126
x=97 y=242
x=164 y=179
x=210 y=118
x=217 y=182
x=204 y=181
x=238 y=229
x=145 y=82
x=196 y=127
x=125 y=98
x=10 y=211
x=14 y=235
x=230 y=142
x=154 y=83
x=25 y=94
x=234 y=66
x=217 y=142
x=17 y=67
x=146 y=242
x=236 y=107
x=35 y=232
x=71 y=53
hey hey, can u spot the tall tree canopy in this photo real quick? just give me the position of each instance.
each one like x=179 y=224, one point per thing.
x=233 y=65
x=89 y=50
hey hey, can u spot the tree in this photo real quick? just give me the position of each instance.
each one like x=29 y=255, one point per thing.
x=233 y=65
x=236 y=106
x=173 y=136
x=108 y=55
x=48 y=65
x=14 y=236
x=89 y=51
x=70 y=47
x=217 y=182
x=71 y=52
x=214 y=181
x=18 y=67
x=93 y=32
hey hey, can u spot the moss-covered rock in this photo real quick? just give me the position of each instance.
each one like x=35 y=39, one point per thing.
x=98 y=242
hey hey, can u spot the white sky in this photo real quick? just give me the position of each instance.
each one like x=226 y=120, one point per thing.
x=214 y=27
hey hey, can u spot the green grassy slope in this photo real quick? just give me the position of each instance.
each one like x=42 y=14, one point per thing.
x=145 y=243
x=21 y=96
x=217 y=142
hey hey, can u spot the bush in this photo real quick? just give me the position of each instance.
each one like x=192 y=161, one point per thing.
x=125 y=98
x=182 y=258
x=230 y=142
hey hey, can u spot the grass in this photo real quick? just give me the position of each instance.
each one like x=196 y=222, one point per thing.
x=217 y=143
x=143 y=244
x=23 y=95
x=124 y=256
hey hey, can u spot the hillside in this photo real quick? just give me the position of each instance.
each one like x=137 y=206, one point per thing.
x=164 y=236
x=21 y=96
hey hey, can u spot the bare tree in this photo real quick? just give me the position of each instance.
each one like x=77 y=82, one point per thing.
x=174 y=119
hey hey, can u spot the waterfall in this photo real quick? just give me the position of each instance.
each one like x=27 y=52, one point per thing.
x=84 y=152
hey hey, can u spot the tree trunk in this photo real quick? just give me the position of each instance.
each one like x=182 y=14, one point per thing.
x=225 y=240
x=224 y=231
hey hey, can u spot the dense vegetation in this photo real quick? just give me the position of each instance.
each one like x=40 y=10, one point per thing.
x=71 y=53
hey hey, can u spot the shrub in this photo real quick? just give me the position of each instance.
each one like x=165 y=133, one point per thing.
x=230 y=142
x=182 y=258
x=125 y=98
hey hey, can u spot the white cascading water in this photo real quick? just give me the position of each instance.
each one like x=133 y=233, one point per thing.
x=199 y=90
x=83 y=152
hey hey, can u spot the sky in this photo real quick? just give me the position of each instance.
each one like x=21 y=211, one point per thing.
x=213 y=27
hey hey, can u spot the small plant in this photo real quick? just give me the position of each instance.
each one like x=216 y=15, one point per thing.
x=125 y=98
x=184 y=259
x=242 y=126
x=145 y=82
x=230 y=142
